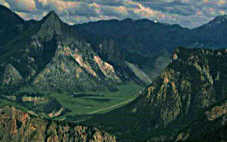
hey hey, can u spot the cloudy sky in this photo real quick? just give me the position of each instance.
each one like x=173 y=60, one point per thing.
x=188 y=13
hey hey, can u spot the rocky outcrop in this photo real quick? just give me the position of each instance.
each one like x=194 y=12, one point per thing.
x=76 y=68
x=107 y=69
x=188 y=84
x=194 y=82
x=18 y=126
x=11 y=76
x=211 y=126
x=65 y=73
x=188 y=95
x=56 y=114
x=54 y=57
x=217 y=111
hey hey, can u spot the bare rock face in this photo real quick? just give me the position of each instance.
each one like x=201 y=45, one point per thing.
x=18 y=126
x=189 y=96
x=210 y=127
x=192 y=82
x=11 y=76
x=53 y=56
x=217 y=111
x=75 y=68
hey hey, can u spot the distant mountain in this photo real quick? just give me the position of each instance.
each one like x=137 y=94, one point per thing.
x=142 y=42
x=187 y=102
x=212 y=34
x=145 y=37
x=149 y=44
x=135 y=36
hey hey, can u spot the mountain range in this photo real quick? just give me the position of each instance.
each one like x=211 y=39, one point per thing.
x=47 y=65
x=187 y=102
x=51 y=55
x=45 y=53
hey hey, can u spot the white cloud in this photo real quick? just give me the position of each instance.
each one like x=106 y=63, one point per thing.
x=6 y=4
x=185 y=12
x=22 y=5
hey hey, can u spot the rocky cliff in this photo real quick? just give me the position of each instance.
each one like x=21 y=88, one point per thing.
x=194 y=80
x=210 y=127
x=190 y=93
x=189 y=88
x=19 y=126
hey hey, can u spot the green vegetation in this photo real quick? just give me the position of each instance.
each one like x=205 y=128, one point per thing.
x=193 y=82
x=98 y=100
x=78 y=103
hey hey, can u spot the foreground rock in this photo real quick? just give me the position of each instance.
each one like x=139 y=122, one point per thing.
x=18 y=126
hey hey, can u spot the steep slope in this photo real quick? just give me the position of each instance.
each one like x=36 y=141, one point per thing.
x=11 y=76
x=11 y=25
x=210 y=127
x=190 y=87
x=212 y=34
x=18 y=126
x=110 y=45
x=142 y=42
x=146 y=38
x=140 y=36
x=51 y=55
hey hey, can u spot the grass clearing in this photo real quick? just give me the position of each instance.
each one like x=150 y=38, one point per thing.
x=82 y=103
x=101 y=102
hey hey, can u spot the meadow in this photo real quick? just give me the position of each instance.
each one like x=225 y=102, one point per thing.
x=77 y=104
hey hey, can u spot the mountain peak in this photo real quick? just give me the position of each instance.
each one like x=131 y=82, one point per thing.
x=221 y=17
x=52 y=24
x=51 y=16
x=219 y=20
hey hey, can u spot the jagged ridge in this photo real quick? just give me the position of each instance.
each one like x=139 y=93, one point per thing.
x=193 y=83
x=51 y=55
x=18 y=126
